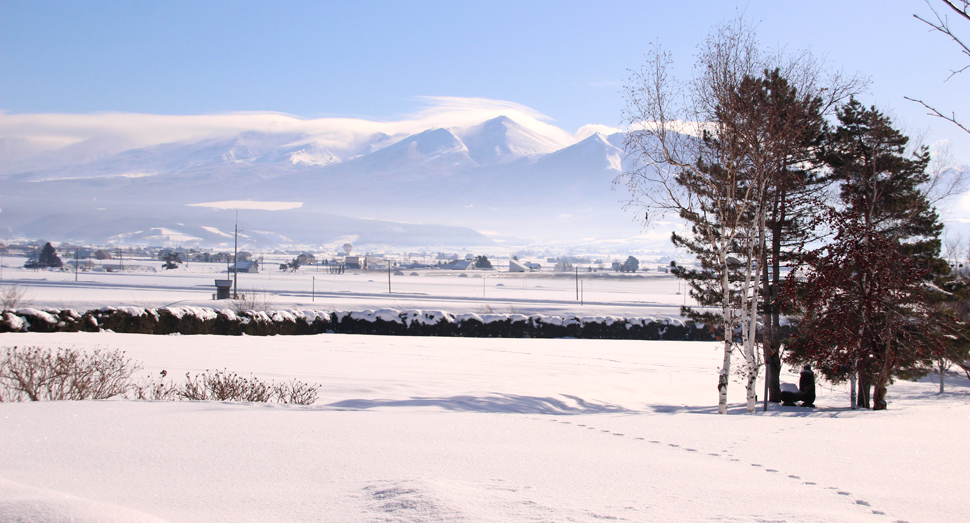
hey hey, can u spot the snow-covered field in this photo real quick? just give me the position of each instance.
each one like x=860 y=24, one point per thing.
x=646 y=294
x=457 y=429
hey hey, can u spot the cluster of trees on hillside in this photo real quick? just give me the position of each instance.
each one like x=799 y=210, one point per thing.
x=774 y=165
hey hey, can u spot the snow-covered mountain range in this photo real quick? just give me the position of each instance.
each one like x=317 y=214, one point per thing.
x=494 y=181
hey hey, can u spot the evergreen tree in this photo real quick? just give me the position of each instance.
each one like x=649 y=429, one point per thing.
x=172 y=260
x=482 y=262
x=784 y=128
x=866 y=311
x=48 y=257
x=631 y=264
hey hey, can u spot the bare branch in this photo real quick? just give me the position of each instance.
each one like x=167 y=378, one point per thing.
x=965 y=12
x=942 y=25
x=933 y=112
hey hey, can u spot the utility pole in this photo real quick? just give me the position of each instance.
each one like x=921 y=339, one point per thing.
x=77 y=251
x=389 y=276
x=235 y=261
x=577 y=283
x=313 y=290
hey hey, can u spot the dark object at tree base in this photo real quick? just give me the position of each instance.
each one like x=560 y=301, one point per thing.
x=788 y=398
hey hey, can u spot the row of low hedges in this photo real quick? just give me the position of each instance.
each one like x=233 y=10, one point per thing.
x=201 y=320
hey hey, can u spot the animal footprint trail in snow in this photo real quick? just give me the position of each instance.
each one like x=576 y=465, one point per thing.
x=859 y=502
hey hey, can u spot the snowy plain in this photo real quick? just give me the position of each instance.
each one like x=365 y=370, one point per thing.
x=459 y=429
x=601 y=293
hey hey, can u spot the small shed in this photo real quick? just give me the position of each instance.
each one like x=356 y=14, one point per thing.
x=223 y=289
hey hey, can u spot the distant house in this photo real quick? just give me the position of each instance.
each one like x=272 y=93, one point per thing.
x=245 y=266
x=533 y=266
x=306 y=259
x=352 y=262
x=517 y=266
x=459 y=265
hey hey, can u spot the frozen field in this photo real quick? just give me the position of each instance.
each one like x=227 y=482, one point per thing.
x=646 y=294
x=504 y=430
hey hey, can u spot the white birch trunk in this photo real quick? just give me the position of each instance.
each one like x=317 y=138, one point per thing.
x=725 y=375
x=755 y=252
x=750 y=326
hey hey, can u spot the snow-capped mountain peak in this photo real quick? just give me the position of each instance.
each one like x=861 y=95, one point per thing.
x=502 y=140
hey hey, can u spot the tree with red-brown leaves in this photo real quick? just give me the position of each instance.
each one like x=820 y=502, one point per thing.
x=865 y=309
x=865 y=306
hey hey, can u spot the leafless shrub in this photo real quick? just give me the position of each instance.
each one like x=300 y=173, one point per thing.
x=39 y=374
x=13 y=297
x=155 y=388
x=255 y=299
x=296 y=392
x=229 y=386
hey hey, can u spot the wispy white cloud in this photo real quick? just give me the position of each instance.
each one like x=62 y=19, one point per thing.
x=55 y=130
x=590 y=129
x=249 y=204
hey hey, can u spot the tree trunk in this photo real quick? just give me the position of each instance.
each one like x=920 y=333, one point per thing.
x=852 y=394
x=771 y=283
x=756 y=252
x=863 y=393
x=725 y=375
x=942 y=373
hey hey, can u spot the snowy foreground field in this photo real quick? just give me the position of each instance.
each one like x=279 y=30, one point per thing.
x=449 y=429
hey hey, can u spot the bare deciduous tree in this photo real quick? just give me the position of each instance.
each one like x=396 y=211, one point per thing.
x=940 y=22
x=13 y=297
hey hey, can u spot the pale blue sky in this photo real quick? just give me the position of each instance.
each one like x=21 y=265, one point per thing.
x=564 y=59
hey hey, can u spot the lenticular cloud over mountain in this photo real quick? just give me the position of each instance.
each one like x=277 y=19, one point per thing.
x=48 y=132
x=434 y=178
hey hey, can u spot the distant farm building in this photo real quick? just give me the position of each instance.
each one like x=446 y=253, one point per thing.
x=245 y=266
x=517 y=266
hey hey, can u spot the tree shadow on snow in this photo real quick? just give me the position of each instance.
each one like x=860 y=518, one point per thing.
x=774 y=409
x=509 y=403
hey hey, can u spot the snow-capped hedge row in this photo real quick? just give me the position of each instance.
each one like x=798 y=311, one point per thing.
x=202 y=320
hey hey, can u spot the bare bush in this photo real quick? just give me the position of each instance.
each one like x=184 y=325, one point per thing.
x=296 y=392
x=155 y=388
x=14 y=297
x=255 y=299
x=229 y=386
x=39 y=374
